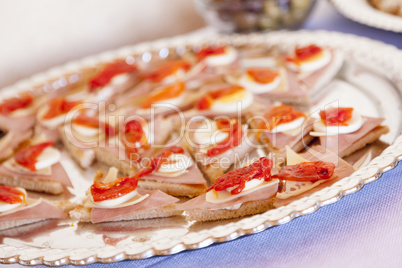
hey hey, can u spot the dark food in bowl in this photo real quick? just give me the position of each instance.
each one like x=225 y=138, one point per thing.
x=254 y=15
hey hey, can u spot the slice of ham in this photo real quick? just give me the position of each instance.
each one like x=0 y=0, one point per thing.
x=155 y=200
x=200 y=202
x=47 y=134
x=20 y=123
x=319 y=78
x=280 y=140
x=16 y=139
x=294 y=89
x=319 y=153
x=42 y=210
x=339 y=143
x=58 y=175
x=192 y=176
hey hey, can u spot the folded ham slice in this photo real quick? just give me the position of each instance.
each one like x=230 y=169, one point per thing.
x=12 y=140
x=20 y=123
x=318 y=153
x=58 y=175
x=293 y=93
x=341 y=142
x=200 y=201
x=42 y=210
x=155 y=200
x=318 y=79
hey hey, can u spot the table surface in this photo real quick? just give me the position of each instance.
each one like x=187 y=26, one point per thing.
x=361 y=230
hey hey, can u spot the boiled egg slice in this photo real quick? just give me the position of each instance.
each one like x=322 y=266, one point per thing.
x=297 y=123
x=354 y=124
x=225 y=58
x=209 y=134
x=47 y=158
x=250 y=84
x=313 y=63
x=231 y=103
x=4 y=206
x=177 y=163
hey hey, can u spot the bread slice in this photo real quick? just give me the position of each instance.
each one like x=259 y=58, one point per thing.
x=370 y=137
x=247 y=208
x=83 y=214
x=50 y=187
x=83 y=157
x=15 y=223
x=176 y=189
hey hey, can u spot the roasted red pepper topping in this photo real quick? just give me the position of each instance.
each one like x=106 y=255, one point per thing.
x=336 y=116
x=109 y=71
x=88 y=121
x=260 y=169
x=280 y=115
x=304 y=53
x=28 y=157
x=135 y=139
x=162 y=71
x=235 y=132
x=206 y=102
x=11 y=195
x=307 y=171
x=209 y=51
x=59 y=106
x=262 y=75
x=169 y=92
x=12 y=104
x=121 y=186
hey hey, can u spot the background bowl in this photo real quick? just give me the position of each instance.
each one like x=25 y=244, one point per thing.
x=229 y=16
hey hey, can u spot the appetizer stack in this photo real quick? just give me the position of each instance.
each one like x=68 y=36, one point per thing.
x=227 y=128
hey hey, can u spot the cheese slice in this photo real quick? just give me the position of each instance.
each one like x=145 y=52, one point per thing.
x=294 y=188
x=217 y=197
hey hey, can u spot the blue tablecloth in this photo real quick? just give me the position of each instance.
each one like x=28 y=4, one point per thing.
x=361 y=230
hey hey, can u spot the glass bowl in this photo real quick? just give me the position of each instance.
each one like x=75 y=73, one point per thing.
x=229 y=16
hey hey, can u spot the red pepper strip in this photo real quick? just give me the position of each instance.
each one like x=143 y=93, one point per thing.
x=262 y=75
x=83 y=119
x=280 y=115
x=28 y=157
x=59 y=106
x=336 y=116
x=169 y=92
x=122 y=186
x=304 y=53
x=307 y=171
x=207 y=101
x=164 y=70
x=11 y=195
x=108 y=72
x=234 y=139
x=12 y=104
x=260 y=169
x=208 y=51
x=134 y=135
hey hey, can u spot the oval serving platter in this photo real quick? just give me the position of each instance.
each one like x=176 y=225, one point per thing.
x=66 y=242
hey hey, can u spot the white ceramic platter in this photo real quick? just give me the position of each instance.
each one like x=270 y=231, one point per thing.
x=362 y=12
x=371 y=79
